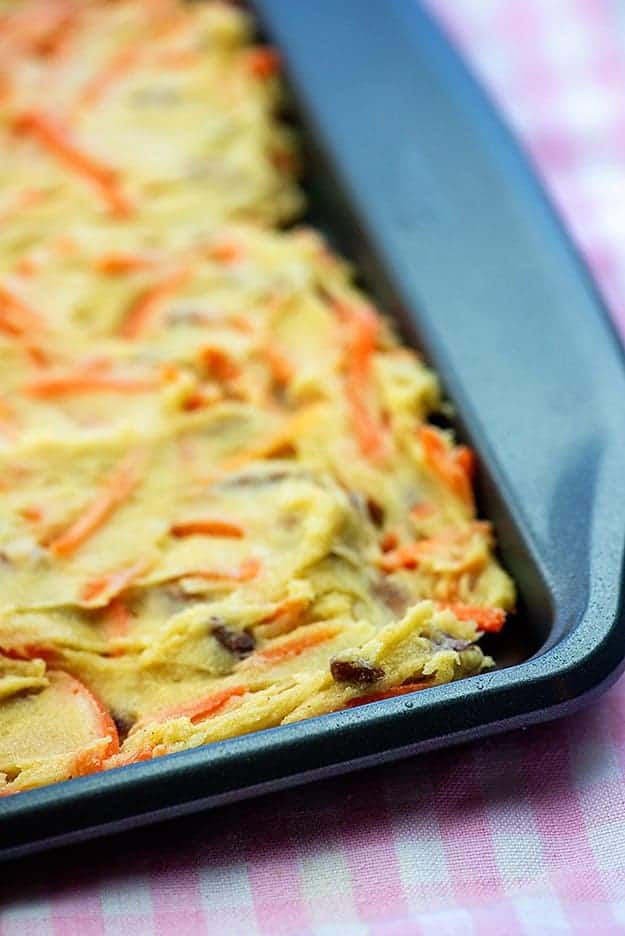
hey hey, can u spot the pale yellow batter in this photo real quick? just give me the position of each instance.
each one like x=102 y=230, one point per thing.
x=222 y=507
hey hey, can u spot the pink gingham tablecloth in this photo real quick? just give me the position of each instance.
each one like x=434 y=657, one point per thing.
x=519 y=834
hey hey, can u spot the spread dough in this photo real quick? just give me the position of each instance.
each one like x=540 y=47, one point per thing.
x=222 y=506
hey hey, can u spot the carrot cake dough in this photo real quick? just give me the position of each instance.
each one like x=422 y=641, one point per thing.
x=222 y=507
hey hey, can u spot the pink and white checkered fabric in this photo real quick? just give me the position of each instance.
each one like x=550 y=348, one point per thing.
x=521 y=834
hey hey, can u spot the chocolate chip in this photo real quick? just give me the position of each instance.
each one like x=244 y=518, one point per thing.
x=123 y=723
x=356 y=672
x=375 y=511
x=239 y=643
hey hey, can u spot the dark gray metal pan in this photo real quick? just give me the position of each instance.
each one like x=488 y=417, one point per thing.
x=414 y=176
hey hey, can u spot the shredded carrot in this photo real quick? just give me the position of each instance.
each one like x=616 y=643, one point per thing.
x=388 y=693
x=196 y=711
x=297 y=645
x=37 y=355
x=112 y=583
x=198 y=399
x=102 y=82
x=116 y=618
x=117 y=262
x=125 y=758
x=87 y=762
x=281 y=368
x=284 y=618
x=226 y=251
x=389 y=541
x=485 y=619
x=103 y=722
x=281 y=438
x=404 y=557
x=362 y=329
x=117 y=489
x=453 y=467
x=32 y=513
x=219 y=363
x=262 y=62
x=17 y=317
x=81 y=381
x=248 y=569
x=145 y=311
x=465 y=458
x=207 y=527
x=30 y=28
x=44 y=29
x=30 y=651
x=54 y=137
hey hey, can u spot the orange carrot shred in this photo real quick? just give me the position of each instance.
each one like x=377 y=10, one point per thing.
x=49 y=388
x=31 y=651
x=281 y=368
x=219 y=364
x=248 y=569
x=281 y=438
x=17 y=317
x=296 y=645
x=103 y=721
x=284 y=618
x=465 y=458
x=362 y=328
x=112 y=583
x=207 y=527
x=117 y=262
x=404 y=557
x=125 y=758
x=116 y=618
x=101 y=83
x=197 y=400
x=226 y=251
x=262 y=62
x=44 y=29
x=145 y=311
x=453 y=467
x=32 y=513
x=196 y=711
x=54 y=137
x=486 y=619
x=117 y=489
x=389 y=541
